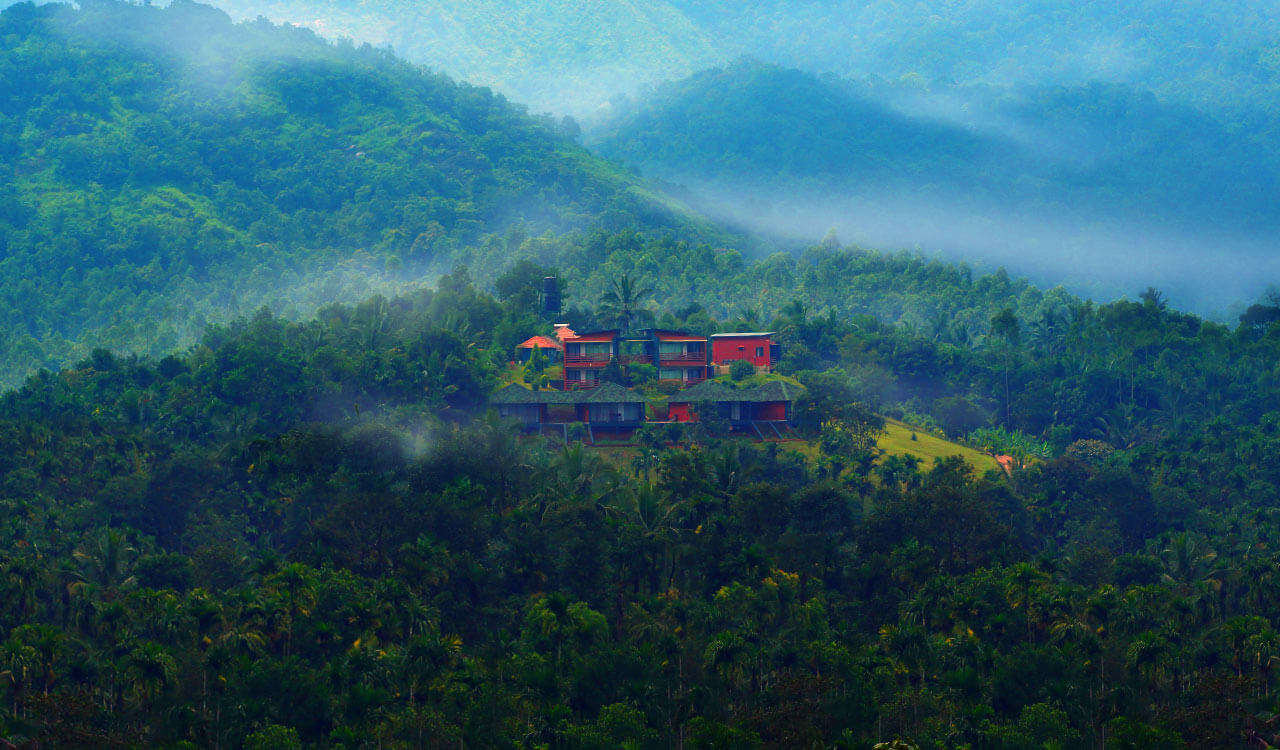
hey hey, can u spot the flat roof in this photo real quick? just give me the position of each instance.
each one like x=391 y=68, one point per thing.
x=591 y=336
x=760 y=334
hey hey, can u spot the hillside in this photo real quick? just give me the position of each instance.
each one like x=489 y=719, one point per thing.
x=164 y=167
x=311 y=534
x=1218 y=55
x=572 y=57
x=1100 y=186
x=556 y=55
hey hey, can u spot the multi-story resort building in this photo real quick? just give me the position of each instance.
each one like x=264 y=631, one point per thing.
x=682 y=358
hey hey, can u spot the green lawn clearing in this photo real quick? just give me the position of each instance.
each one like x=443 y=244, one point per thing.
x=896 y=440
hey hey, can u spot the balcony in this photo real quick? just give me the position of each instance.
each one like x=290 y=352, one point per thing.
x=581 y=385
x=685 y=381
x=699 y=358
x=587 y=360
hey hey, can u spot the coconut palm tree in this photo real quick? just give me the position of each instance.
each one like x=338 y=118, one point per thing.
x=621 y=302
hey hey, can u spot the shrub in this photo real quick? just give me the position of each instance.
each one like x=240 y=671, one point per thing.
x=741 y=370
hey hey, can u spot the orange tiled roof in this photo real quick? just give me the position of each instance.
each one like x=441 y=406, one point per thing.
x=540 y=342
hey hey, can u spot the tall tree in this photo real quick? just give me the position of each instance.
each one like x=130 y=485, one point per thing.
x=622 y=301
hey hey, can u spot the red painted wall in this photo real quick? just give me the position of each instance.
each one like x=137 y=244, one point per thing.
x=775 y=411
x=727 y=350
x=680 y=413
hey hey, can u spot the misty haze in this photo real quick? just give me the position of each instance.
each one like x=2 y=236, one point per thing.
x=641 y=374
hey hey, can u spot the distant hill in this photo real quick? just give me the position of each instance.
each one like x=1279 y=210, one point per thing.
x=1089 y=149
x=163 y=167
x=1216 y=53
x=1101 y=182
x=572 y=57
x=556 y=55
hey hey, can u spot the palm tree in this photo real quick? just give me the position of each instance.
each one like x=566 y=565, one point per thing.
x=621 y=301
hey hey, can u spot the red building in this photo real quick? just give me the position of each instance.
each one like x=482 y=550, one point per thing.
x=586 y=355
x=757 y=348
x=679 y=356
x=761 y=410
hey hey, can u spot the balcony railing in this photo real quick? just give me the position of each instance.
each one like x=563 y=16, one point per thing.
x=686 y=381
x=587 y=359
x=683 y=359
x=580 y=385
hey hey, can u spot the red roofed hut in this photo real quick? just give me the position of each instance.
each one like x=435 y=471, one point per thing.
x=553 y=349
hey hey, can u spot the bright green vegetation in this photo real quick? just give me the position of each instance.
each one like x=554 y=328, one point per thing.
x=162 y=168
x=897 y=441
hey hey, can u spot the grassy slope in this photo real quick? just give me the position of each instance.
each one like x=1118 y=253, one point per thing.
x=896 y=441
x=928 y=448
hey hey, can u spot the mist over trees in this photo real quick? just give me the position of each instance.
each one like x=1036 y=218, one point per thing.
x=246 y=500
x=163 y=168
x=1136 y=138
x=566 y=56
x=1100 y=186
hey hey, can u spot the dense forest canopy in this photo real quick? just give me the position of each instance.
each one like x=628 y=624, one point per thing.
x=310 y=534
x=249 y=501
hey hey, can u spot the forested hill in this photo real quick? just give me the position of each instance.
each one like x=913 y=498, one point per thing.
x=1100 y=182
x=559 y=55
x=1217 y=54
x=161 y=167
x=568 y=56
x=1089 y=150
x=309 y=534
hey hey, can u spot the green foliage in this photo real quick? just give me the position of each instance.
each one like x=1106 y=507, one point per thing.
x=741 y=370
x=307 y=534
x=169 y=168
x=987 y=171
x=1009 y=442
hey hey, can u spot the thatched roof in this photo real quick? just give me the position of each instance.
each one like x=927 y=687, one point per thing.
x=710 y=390
x=707 y=390
x=519 y=395
x=607 y=393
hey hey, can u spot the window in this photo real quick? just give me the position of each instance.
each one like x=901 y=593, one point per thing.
x=759 y=351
